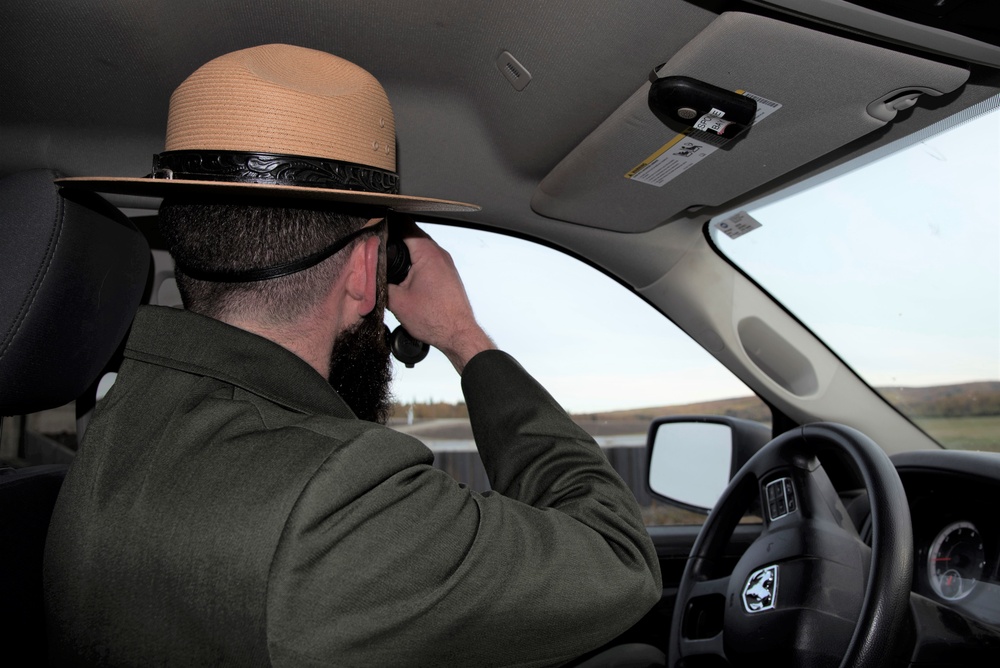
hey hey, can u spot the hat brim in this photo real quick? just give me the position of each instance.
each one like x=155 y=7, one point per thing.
x=149 y=187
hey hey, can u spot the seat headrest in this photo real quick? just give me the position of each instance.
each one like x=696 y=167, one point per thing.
x=74 y=271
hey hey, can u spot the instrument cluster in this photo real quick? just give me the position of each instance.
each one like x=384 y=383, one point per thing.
x=956 y=536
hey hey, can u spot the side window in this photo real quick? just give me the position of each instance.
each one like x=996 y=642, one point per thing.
x=609 y=358
x=48 y=437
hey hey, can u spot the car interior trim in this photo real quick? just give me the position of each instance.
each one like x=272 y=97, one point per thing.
x=738 y=51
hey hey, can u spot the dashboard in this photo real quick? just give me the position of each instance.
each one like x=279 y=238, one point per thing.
x=953 y=498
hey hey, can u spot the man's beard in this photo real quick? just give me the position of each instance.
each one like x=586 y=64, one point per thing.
x=360 y=368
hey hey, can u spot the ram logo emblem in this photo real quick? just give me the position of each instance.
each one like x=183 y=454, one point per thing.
x=761 y=590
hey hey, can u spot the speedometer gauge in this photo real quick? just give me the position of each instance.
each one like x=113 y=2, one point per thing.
x=956 y=561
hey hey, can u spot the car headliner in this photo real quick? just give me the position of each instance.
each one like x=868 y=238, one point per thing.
x=86 y=87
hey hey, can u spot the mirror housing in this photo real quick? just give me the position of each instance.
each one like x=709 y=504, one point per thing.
x=691 y=458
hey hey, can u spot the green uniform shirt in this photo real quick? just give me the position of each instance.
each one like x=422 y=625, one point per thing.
x=227 y=508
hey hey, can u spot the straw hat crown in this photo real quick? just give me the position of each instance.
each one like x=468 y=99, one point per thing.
x=284 y=99
x=277 y=121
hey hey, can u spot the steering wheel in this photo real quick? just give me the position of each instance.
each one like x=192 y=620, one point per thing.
x=808 y=591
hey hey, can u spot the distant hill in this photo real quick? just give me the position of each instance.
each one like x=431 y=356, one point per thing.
x=750 y=408
x=966 y=399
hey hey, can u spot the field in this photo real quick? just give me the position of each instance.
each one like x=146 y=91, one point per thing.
x=964 y=433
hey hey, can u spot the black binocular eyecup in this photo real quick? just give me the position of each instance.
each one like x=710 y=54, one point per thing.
x=397 y=255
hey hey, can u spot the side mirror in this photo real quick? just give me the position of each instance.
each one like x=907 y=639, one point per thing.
x=693 y=458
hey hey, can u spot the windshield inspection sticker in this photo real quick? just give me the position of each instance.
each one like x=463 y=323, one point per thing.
x=736 y=225
x=692 y=146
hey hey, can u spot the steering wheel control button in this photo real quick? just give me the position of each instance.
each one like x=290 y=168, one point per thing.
x=789 y=495
x=761 y=590
x=780 y=498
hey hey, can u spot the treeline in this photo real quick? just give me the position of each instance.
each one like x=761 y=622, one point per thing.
x=430 y=410
x=748 y=408
x=966 y=400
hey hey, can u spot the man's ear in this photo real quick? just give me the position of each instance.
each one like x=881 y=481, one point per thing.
x=362 y=283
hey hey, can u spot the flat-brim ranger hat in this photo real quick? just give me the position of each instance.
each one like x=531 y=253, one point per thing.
x=277 y=121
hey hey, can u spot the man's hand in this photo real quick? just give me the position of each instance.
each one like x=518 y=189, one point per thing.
x=432 y=304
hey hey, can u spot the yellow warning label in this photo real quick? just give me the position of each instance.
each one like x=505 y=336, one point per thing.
x=648 y=161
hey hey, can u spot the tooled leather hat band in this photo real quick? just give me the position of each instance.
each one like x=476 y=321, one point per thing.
x=273 y=169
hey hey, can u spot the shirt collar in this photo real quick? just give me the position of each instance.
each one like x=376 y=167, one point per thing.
x=197 y=344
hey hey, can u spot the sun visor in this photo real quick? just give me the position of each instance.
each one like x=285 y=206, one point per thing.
x=813 y=92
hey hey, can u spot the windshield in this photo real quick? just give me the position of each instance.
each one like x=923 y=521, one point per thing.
x=895 y=264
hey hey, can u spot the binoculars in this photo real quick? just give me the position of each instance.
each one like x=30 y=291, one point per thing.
x=404 y=347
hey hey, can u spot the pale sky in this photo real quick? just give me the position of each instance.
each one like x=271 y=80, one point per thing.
x=897 y=266
x=592 y=343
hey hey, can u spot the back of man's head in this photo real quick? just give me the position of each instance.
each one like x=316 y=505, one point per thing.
x=219 y=235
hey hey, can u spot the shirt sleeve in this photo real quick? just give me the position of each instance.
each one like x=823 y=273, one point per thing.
x=388 y=561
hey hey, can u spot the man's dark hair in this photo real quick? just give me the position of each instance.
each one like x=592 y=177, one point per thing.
x=216 y=234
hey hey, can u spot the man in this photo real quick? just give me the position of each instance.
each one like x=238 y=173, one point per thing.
x=229 y=507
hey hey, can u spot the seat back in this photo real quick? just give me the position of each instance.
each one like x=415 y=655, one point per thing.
x=74 y=271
